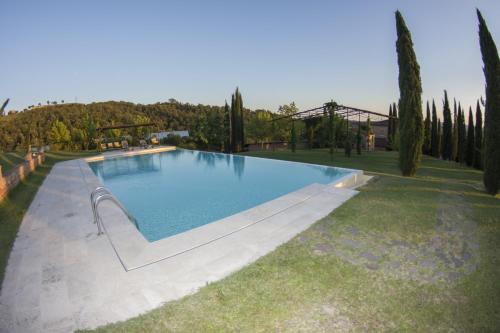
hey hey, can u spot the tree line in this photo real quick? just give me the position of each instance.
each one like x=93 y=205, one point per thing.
x=452 y=140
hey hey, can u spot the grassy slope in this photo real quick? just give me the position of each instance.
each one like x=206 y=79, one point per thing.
x=8 y=160
x=292 y=289
x=12 y=209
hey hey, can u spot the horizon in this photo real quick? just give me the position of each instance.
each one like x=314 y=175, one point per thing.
x=281 y=53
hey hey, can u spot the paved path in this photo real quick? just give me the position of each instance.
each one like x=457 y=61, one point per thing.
x=61 y=276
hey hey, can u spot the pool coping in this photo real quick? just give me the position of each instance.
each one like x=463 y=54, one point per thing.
x=134 y=251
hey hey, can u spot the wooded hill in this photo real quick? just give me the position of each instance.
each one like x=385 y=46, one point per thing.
x=18 y=130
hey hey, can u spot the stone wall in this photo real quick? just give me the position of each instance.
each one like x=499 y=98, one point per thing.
x=9 y=180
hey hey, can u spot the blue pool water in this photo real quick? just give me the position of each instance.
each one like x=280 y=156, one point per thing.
x=176 y=191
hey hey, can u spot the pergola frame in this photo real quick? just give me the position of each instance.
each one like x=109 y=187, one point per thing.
x=341 y=110
x=332 y=108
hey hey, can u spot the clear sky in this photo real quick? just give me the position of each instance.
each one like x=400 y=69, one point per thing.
x=199 y=51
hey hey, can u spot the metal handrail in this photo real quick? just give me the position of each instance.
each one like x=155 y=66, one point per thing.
x=101 y=194
x=97 y=190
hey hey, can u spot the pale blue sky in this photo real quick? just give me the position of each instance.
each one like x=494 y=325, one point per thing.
x=199 y=51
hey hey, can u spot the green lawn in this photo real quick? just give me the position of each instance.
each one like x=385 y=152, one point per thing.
x=12 y=208
x=406 y=254
x=8 y=160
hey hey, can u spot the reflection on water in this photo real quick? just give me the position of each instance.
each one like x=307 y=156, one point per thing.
x=141 y=164
x=238 y=165
x=206 y=157
x=116 y=167
x=210 y=159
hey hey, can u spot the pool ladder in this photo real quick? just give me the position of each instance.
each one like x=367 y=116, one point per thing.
x=100 y=194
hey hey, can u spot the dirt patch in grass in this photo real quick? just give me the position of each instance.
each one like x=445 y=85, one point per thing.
x=451 y=253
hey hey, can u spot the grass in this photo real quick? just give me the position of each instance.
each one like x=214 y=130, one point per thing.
x=296 y=289
x=13 y=208
x=8 y=160
x=299 y=288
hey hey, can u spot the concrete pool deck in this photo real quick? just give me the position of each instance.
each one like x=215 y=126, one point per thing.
x=61 y=276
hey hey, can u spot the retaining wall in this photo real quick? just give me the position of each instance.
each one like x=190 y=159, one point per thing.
x=18 y=173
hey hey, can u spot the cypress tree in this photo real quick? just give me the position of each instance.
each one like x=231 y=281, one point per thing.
x=331 y=127
x=358 y=139
x=369 y=132
x=440 y=138
x=242 y=120
x=237 y=122
x=395 y=123
x=410 y=102
x=234 y=125
x=491 y=70
x=469 y=158
x=461 y=138
x=434 y=132
x=454 y=134
x=293 y=137
x=446 y=141
x=227 y=129
x=426 y=147
x=478 y=139
x=389 y=129
x=395 y=128
x=464 y=138
x=348 y=142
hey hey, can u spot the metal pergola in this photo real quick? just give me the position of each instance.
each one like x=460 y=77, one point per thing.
x=346 y=112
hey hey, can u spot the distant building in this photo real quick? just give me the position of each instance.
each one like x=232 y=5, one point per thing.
x=380 y=130
x=164 y=134
x=377 y=140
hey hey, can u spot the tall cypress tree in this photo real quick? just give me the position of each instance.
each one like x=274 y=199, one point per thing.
x=331 y=126
x=462 y=136
x=389 y=129
x=469 y=158
x=227 y=129
x=478 y=139
x=454 y=133
x=426 y=147
x=395 y=123
x=358 y=139
x=369 y=132
x=411 y=129
x=491 y=62
x=440 y=138
x=234 y=125
x=293 y=137
x=237 y=122
x=434 y=132
x=446 y=141
x=242 y=121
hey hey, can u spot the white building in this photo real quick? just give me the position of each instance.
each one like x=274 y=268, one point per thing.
x=164 y=134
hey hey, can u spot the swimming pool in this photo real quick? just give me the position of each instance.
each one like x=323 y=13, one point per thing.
x=172 y=192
